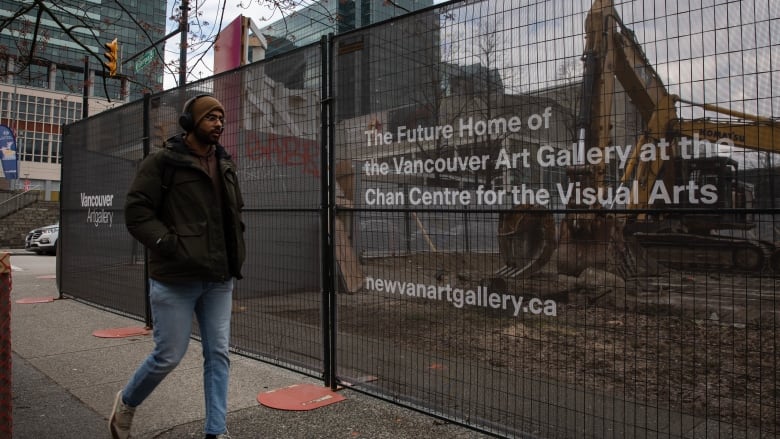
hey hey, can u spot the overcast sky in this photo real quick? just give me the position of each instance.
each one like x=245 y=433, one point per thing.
x=210 y=11
x=705 y=50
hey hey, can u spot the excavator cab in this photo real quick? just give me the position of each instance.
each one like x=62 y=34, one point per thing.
x=715 y=176
x=721 y=173
x=718 y=171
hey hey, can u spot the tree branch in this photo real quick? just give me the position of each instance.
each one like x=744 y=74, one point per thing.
x=4 y=23
x=75 y=40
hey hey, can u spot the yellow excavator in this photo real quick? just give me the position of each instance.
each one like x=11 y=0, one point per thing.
x=666 y=169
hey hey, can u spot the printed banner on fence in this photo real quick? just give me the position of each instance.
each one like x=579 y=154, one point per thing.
x=8 y=148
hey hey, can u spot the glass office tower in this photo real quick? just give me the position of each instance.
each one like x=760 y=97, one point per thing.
x=69 y=32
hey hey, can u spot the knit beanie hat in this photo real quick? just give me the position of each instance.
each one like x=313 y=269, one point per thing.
x=203 y=106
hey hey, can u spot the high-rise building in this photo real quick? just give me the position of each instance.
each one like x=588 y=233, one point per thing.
x=309 y=24
x=31 y=48
x=52 y=72
x=368 y=81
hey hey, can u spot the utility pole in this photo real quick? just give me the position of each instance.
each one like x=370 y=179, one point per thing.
x=184 y=29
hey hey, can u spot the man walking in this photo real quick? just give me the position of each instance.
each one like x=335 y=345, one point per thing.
x=184 y=206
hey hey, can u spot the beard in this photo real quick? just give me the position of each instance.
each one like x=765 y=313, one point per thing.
x=208 y=137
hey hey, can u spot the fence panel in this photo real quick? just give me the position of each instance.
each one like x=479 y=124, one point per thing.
x=100 y=261
x=278 y=153
x=273 y=132
x=554 y=237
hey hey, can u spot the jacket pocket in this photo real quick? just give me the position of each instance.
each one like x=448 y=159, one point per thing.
x=193 y=244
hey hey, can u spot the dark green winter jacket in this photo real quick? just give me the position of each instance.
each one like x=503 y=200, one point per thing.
x=188 y=235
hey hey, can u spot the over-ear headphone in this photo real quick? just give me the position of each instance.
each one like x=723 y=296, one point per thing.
x=186 y=120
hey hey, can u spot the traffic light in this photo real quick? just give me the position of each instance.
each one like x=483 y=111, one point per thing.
x=113 y=57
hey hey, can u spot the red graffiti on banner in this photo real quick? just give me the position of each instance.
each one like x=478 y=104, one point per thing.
x=285 y=150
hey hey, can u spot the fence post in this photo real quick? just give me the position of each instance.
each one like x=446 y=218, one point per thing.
x=6 y=373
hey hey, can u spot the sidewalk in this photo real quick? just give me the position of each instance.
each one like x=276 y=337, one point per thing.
x=65 y=379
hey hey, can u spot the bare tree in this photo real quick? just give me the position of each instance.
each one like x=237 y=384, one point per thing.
x=480 y=68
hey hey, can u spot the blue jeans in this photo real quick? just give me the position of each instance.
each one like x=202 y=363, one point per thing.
x=172 y=307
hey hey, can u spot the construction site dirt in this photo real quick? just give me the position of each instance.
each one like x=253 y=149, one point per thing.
x=691 y=343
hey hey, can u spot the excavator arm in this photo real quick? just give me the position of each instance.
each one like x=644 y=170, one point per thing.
x=591 y=235
x=744 y=130
x=611 y=54
x=740 y=129
x=758 y=137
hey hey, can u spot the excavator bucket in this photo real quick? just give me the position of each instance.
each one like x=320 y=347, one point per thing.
x=526 y=240
x=591 y=239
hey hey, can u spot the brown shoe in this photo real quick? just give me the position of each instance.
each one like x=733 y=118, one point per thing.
x=121 y=418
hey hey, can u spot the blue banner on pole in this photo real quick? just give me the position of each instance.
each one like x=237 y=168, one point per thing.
x=8 y=150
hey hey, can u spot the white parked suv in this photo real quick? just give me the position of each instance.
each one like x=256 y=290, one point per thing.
x=43 y=239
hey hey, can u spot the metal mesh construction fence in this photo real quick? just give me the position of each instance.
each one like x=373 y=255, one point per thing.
x=547 y=219
x=556 y=238
x=99 y=261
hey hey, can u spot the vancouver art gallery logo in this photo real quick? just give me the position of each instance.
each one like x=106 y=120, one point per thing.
x=98 y=209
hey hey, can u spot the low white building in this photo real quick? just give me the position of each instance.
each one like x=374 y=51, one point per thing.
x=36 y=116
